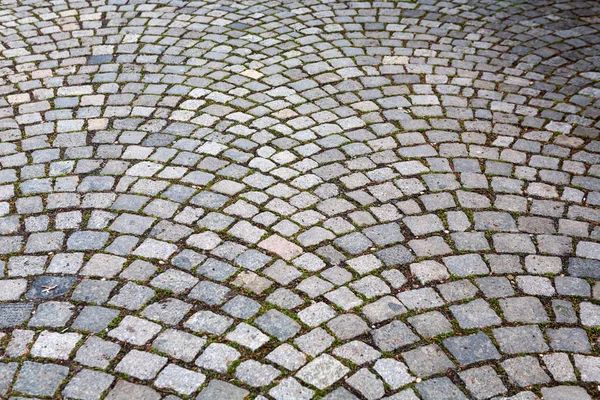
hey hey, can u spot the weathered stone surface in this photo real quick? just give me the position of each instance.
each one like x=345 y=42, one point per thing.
x=283 y=195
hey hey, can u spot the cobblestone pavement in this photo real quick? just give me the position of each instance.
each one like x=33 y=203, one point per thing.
x=305 y=199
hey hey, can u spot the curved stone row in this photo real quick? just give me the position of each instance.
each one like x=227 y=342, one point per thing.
x=299 y=199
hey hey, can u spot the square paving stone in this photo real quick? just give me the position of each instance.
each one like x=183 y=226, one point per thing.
x=19 y=343
x=495 y=286
x=419 y=299
x=314 y=342
x=209 y=322
x=472 y=348
x=122 y=245
x=49 y=287
x=589 y=367
x=429 y=271
x=482 y=382
x=571 y=286
x=26 y=265
x=124 y=390
x=430 y=247
x=353 y=243
x=88 y=385
x=152 y=248
x=504 y=263
x=427 y=360
x=181 y=380
x=395 y=256
x=565 y=393
x=52 y=314
x=525 y=371
x=494 y=221
x=573 y=340
x=103 y=265
x=430 y=324
x=246 y=232
x=12 y=289
x=247 y=336
x=288 y=357
x=564 y=311
x=476 y=314
x=523 y=309
x=383 y=309
x=393 y=372
x=560 y=366
x=370 y=287
x=44 y=242
x=466 y=265
x=284 y=298
x=457 y=290
x=175 y=281
x=187 y=259
x=55 y=345
x=520 y=339
x=14 y=314
x=97 y=352
x=256 y=374
x=87 y=240
x=217 y=357
x=132 y=296
x=217 y=389
x=37 y=379
x=393 y=336
x=289 y=388
x=316 y=314
x=7 y=373
x=322 y=372
x=168 y=311
x=535 y=264
x=251 y=282
x=535 y=285
x=217 y=270
x=241 y=307
x=180 y=345
x=209 y=200
x=424 y=224
x=470 y=241
x=134 y=330
x=94 y=319
x=128 y=202
x=367 y=384
x=252 y=260
x=347 y=326
x=386 y=234
x=309 y=262
x=357 y=352
x=209 y=293
x=439 y=389
x=364 y=264
x=589 y=314
x=314 y=286
x=513 y=243
x=277 y=324
x=93 y=291
x=138 y=270
x=141 y=365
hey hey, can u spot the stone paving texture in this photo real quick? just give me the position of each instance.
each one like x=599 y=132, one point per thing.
x=300 y=199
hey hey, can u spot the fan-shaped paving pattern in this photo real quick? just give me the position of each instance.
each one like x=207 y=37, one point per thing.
x=299 y=199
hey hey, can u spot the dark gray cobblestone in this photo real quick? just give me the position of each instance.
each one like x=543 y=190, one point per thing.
x=299 y=199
